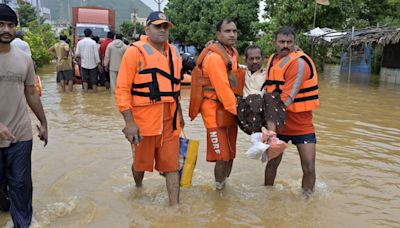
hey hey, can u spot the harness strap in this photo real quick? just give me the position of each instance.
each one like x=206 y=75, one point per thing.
x=155 y=94
x=272 y=61
x=175 y=95
x=309 y=64
x=309 y=89
x=161 y=72
x=277 y=89
x=227 y=59
x=314 y=97
x=273 y=82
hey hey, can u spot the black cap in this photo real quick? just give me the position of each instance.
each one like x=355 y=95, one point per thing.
x=8 y=14
x=158 y=17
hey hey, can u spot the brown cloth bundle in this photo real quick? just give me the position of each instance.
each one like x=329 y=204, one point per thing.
x=255 y=110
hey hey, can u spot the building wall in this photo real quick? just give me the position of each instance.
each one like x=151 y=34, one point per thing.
x=390 y=70
x=140 y=20
x=391 y=75
x=361 y=60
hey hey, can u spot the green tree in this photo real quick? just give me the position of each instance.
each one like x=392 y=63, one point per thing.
x=40 y=38
x=26 y=13
x=340 y=14
x=128 y=27
x=195 y=20
x=38 y=35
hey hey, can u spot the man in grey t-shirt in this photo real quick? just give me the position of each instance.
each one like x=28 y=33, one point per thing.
x=16 y=90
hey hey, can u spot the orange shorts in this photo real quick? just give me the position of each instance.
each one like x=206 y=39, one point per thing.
x=163 y=149
x=221 y=143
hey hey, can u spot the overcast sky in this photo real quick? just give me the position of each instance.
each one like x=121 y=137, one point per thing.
x=154 y=6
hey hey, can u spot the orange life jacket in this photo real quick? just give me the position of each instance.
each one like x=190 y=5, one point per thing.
x=158 y=79
x=201 y=83
x=38 y=85
x=307 y=97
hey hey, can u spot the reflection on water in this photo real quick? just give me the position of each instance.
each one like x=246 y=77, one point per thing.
x=83 y=178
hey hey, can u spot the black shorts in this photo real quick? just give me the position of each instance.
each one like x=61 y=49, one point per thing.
x=89 y=76
x=65 y=75
x=299 y=139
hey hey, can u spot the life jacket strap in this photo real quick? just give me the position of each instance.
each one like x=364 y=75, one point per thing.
x=301 y=99
x=273 y=82
x=175 y=95
x=309 y=89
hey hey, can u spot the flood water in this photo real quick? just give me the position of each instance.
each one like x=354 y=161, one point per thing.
x=83 y=177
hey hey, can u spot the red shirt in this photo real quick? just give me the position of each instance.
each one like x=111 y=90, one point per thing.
x=103 y=48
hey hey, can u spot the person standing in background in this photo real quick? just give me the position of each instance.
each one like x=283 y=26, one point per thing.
x=88 y=53
x=62 y=52
x=105 y=75
x=20 y=43
x=115 y=51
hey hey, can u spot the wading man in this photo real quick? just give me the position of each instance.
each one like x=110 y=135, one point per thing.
x=212 y=95
x=17 y=88
x=293 y=74
x=147 y=95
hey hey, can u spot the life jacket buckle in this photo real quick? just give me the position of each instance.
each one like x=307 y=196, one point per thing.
x=154 y=94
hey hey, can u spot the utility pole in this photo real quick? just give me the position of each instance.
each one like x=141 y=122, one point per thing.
x=159 y=4
x=134 y=20
x=38 y=11
x=69 y=10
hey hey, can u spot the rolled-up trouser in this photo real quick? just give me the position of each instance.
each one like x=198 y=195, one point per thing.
x=113 y=80
x=15 y=169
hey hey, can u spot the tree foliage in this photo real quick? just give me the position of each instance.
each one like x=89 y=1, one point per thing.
x=339 y=15
x=195 y=20
x=38 y=35
x=128 y=27
x=26 y=13
x=40 y=38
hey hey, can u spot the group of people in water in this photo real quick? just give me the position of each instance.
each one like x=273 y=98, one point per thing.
x=93 y=63
x=274 y=105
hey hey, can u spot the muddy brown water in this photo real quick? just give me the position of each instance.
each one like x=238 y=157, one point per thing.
x=83 y=178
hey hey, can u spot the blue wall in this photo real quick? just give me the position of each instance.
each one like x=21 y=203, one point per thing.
x=361 y=60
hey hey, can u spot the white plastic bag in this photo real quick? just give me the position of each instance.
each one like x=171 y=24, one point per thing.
x=257 y=146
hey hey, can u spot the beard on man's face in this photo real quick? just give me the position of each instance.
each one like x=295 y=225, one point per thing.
x=8 y=40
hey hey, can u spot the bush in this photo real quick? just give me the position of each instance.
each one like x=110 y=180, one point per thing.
x=40 y=38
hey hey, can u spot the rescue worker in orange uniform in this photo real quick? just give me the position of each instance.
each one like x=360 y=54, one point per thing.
x=218 y=108
x=148 y=96
x=293 y=74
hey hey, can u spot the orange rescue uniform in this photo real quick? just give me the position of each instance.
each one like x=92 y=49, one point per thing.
x=221 y=140
x=297 y=79
x=154 y=104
